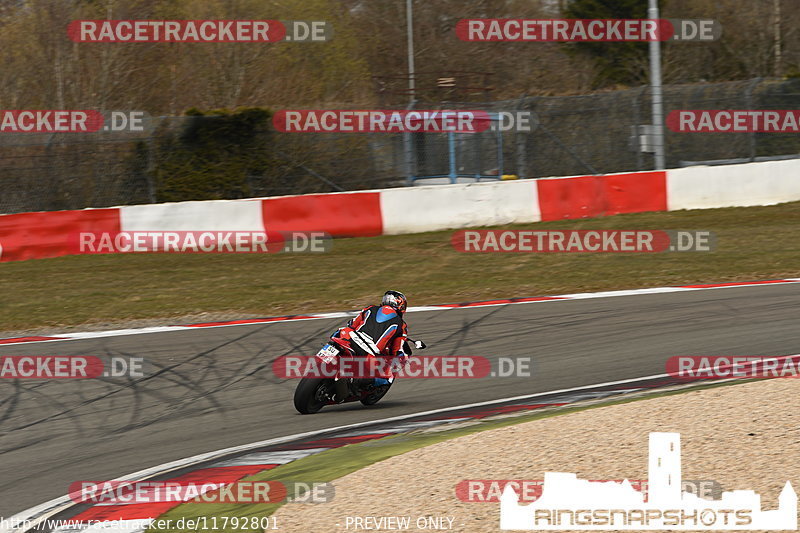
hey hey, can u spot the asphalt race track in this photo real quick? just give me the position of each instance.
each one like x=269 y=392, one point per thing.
x=214 y=388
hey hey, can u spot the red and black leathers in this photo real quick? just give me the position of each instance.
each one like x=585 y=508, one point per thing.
x=376 y=331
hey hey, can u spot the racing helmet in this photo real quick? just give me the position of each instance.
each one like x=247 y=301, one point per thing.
x=395 y=299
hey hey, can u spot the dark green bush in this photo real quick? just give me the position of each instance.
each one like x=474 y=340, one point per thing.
x=212 y=155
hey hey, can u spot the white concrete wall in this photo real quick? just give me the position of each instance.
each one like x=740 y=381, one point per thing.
x=211 y=215
x=430 y=208
x=747 y=184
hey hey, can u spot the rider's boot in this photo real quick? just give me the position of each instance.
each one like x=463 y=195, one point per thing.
x=341 y=391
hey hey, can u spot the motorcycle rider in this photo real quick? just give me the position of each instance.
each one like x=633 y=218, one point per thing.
x=378 y=331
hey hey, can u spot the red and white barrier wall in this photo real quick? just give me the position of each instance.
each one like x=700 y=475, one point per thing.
x=417 y=209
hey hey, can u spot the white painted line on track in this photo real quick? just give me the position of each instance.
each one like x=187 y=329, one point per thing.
x=265 y=458
x=429 y=308
x=40 y=513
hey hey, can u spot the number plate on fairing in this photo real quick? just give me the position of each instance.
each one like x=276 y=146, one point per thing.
x=328 y=353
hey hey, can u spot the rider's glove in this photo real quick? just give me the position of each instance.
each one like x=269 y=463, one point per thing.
x=400 y=361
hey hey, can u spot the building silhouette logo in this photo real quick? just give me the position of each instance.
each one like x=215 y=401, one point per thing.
x=569 y=503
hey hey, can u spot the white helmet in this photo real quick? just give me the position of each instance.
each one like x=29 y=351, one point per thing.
x=395 y=299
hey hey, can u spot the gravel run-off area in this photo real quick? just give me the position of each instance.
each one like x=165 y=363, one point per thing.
x=745 y=436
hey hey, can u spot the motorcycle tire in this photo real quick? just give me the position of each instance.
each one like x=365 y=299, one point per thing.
x=307 y=395
x=375 y=397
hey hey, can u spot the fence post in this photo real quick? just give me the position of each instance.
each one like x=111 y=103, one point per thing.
x=408 y=149
x=499 y=153
x=150 y=168
x=451 y=149
x=751 y=137
x=659 y=158
x=519 y=145
x=636 y=121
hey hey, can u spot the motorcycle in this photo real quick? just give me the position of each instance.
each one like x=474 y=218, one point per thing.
x=314 y=393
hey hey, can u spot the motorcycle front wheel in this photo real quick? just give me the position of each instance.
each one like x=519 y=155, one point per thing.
x=375 y=397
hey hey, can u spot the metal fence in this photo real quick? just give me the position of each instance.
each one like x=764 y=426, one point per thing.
x=44 y=172
x=454 y=157
x=593 y=133
x=583 y=134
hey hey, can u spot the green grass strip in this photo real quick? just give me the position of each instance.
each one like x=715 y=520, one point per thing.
x=752 y=243
x=338 y=462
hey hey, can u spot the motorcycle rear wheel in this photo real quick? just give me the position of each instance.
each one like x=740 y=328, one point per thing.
x=310 y=394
